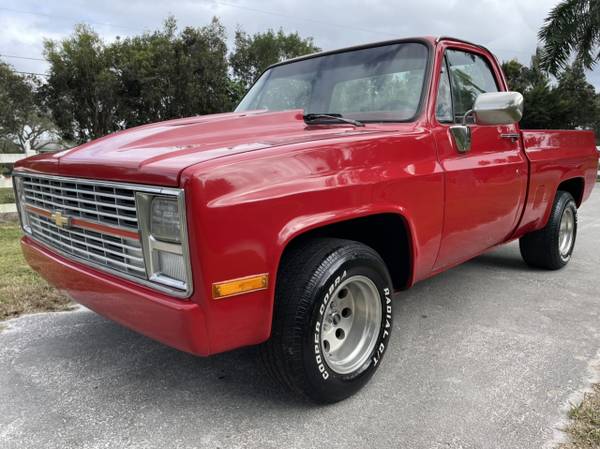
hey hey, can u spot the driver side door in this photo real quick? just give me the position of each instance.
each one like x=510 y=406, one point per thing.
x=486 y=186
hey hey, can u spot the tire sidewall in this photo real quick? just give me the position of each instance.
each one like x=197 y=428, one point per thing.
x=567 y=202
x=325 y=382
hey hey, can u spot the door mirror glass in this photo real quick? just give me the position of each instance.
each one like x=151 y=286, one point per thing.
x=498 y=108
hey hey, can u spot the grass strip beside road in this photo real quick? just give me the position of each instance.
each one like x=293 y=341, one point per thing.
x=21 y=289
x=584 y=428
x=7 y=195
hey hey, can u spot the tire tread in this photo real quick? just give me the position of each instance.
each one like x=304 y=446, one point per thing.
x=539 y=248
x=297 y=279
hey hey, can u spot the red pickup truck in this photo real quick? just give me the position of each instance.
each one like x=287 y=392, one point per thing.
x=341 y=178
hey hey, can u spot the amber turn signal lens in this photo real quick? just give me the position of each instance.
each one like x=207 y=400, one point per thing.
x=240 y=285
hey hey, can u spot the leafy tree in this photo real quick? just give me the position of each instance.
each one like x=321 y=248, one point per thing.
x=516 y=75
x=578 y=99
x=521 y=78
x=571 y=103
x=83 y=86
x=253 y=54
x=163 y=74
x=542 y=108
x=24 y=125
x=573 y=26
x=96 y=88
x=540 y=99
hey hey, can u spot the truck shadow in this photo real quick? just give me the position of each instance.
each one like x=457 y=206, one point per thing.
x=148 y=373
x=141 y=369
x=501 y=260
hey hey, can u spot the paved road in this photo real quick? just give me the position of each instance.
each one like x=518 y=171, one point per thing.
x=483 y=356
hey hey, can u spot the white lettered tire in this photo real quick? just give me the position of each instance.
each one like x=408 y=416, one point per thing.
x=332 y=320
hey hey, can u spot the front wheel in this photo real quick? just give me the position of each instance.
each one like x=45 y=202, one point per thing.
x=333 y=318
x=552 y=246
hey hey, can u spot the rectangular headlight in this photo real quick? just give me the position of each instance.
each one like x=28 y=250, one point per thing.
x=164 y=239
x=165 y=221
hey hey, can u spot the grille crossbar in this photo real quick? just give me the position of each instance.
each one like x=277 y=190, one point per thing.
x=114 y=252
x=111 y=206
x=104 y=204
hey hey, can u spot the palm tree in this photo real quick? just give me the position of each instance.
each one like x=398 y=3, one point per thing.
x=573 y=26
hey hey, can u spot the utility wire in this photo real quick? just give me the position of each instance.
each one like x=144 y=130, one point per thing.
x=304 y=19
x=31 y=73
x=22 y=57
x=76 y=20
x=232 y=5
x=222 y=3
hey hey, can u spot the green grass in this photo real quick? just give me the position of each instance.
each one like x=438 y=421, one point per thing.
x=584 y=429
x=7 y=195
x=21 y=289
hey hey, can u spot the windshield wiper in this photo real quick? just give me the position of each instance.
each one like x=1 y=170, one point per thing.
x=332 y=117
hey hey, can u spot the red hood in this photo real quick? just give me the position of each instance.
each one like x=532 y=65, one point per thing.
x=157 y=153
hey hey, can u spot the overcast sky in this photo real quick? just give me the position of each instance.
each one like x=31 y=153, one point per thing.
x=508 y=27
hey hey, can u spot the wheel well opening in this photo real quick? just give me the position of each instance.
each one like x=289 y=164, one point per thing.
x=574 y=187
x=385 y=233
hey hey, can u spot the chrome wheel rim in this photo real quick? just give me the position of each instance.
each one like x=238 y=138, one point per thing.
x=566 y=232
x=351 y=324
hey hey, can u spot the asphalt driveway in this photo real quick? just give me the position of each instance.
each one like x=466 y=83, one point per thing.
x=487 y=355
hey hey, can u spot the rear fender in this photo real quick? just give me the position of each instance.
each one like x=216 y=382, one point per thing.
x=555 y=157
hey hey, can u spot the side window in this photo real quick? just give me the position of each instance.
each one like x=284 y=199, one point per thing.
x=470 y=75
x=443 y=105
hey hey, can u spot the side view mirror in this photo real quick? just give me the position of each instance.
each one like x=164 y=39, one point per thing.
x=498 y=108
x=492 y=108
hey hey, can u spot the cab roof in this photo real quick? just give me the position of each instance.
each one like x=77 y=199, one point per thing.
x=430 y=41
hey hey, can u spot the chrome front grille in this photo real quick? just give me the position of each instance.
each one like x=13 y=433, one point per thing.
x=118 y=253
x=97 y=223
x=101 y=221
x=110 y=205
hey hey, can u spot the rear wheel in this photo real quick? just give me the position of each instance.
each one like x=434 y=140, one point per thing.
x=552 y=246
x=333 y=318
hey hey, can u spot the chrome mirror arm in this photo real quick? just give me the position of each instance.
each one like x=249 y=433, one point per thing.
x=470 y=112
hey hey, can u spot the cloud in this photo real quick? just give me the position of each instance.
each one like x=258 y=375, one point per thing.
x=507 y=27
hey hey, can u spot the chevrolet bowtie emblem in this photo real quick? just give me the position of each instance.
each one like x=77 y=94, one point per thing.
x=60 y=220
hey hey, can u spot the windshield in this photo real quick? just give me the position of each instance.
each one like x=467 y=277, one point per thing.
x=371 y=84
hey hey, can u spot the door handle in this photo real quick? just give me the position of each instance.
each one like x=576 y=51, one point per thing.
x=512 y=136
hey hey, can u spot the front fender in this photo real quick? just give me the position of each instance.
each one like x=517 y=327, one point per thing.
x=243 y=211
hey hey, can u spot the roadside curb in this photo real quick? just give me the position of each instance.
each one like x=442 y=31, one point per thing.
x=15 y=323
x=559 y=430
